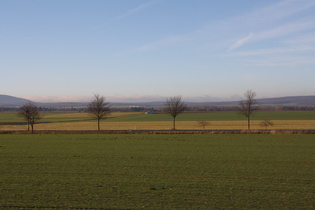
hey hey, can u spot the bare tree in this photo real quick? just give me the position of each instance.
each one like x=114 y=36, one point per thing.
x=29 y=112
x=266 y=123
x=98 y=108
x=174 y=106
x=204 y=123
x=249 y=106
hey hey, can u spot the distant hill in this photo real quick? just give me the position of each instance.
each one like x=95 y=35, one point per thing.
x=290 y=101
x=286 y=101
x=11 y=101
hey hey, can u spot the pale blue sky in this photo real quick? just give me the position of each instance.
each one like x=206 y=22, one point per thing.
x=66 y=50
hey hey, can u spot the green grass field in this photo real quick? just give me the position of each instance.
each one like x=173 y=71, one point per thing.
x=134 y=120
x=219 y=116
x=140 y=117
x=157 y=171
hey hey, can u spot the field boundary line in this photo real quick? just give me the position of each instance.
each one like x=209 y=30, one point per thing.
x=48 y=207
x=293 y=131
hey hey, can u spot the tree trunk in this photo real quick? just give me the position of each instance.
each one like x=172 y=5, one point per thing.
x=174 y=123
x=98 y=124
x=32 y=126
x=248 y=123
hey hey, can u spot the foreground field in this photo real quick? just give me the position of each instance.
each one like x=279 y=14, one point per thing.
x=140 y=121
x=157 y=171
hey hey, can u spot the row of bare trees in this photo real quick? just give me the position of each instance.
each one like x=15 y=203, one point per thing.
x=175 y=106
x=99 y=109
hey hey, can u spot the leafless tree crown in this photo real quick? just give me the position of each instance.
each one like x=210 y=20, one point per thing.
x=29 y=112
x=266 y=123
x=249 y=106
x=174 y=106
x=98 y=108
x=204 y=123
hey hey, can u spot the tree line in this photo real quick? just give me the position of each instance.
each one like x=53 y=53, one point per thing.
x=99 y=109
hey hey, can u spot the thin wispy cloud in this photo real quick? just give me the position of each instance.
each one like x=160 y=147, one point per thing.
x=283 y=30
x=301 y=39
x=241 y=42
x=276 y=15
x=135 y=10
x=257 y=22
x=280 y=50
x=164 y=42
x=262 y=17
x=285 y=60
x=280 y=10
x=286 y=29
x=127 y=14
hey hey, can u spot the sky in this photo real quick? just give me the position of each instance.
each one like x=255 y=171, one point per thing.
x=147 y=50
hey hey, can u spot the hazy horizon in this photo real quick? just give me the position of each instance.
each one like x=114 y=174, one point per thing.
x=121 y=98
x=136 y=99
x=150 y=49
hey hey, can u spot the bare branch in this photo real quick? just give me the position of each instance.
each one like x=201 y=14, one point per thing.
x=204 y=123
x=249 y=106
x=174 y=106
x=98 y=108
x=29 y=112
x=266 y=123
